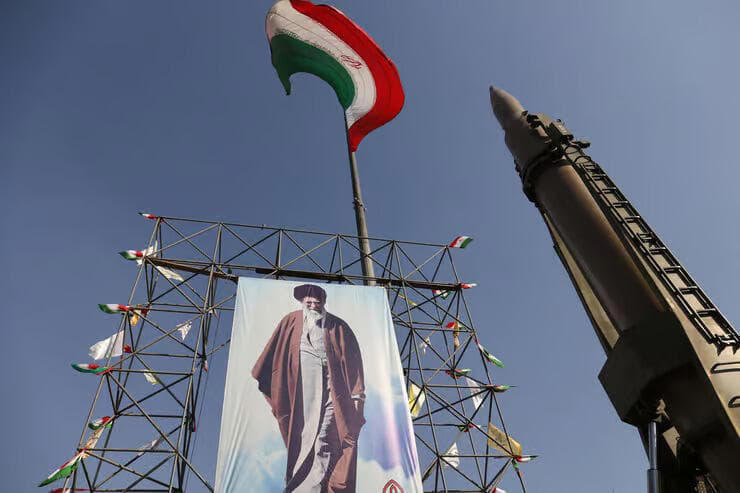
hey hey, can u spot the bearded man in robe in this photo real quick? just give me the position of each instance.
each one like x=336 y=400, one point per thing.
x=311 y=375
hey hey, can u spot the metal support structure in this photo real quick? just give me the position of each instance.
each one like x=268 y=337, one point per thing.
x=653 y=474
x=191 y=279
x=359 y=206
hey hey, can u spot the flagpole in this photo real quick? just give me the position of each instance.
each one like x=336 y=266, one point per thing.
x=364 y=242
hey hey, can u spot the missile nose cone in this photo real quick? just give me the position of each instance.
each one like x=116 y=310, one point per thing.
x=506 y=107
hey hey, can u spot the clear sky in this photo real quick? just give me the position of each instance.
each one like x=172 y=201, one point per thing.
x=172 y=107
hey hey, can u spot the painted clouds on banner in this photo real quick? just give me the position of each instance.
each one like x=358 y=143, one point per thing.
x=315 y=397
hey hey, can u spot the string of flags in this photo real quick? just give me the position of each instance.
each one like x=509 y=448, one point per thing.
x=114 y=346
x=443 y=293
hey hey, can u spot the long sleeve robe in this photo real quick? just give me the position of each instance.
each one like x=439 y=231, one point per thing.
x=277 y=372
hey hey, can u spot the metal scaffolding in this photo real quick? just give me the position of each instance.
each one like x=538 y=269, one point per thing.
x=153 y=394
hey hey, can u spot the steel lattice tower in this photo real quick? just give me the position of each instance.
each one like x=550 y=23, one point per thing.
x=191 y=278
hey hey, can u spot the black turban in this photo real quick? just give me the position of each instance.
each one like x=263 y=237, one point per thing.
x=311 y=290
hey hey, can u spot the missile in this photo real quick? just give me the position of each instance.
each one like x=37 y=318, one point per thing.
x=670 y=352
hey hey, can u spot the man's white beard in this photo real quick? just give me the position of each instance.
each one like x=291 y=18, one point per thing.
x=312 y=317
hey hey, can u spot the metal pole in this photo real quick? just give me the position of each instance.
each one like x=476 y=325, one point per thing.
x=653 y=475
x=367 y=263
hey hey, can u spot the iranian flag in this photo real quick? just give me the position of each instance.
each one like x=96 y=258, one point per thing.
x=458 y=372
x=501 y=388
x=90 y=368
x=97 y=423
x=440 y=293
x=468 y=285
x=321 y=40
x=489 y=356
x=461 y=242
x=65 y=470
x=148 y=216
x=113 y=308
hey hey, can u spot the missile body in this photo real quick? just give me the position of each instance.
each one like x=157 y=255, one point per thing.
x=670 y=353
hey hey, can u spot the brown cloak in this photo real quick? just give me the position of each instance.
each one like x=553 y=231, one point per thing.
x=277 y=372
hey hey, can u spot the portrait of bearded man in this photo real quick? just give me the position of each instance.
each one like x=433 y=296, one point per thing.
x=311 y=374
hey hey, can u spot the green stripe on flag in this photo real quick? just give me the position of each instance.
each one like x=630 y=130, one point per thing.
x=291 y=55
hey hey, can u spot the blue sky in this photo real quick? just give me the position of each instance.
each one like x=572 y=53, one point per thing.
x=111 y=107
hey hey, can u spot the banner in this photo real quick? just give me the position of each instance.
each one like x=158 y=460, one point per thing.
x=315 y=399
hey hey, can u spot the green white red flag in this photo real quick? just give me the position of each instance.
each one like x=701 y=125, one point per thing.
x=113 y=308
x=489 y=356
x=321 y=40
x=501 y=388
x=90 y=368
x=65 y=470
x=148 y=216
x=458 y=372
x=460 y=242
x=442 y=294
x=468 y=285
x=100 y=422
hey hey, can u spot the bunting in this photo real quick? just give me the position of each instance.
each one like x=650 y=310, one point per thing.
x=475 y=392
x=184 y=328
x=111 y=347
x=416 y=399
x=169 y=274
x=152 y=378
x=503 y=442
x=451 y=457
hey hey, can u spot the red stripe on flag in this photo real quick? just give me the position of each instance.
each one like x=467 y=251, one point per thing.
x=388 y=89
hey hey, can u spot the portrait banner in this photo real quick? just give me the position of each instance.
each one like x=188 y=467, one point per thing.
x=315 y=398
